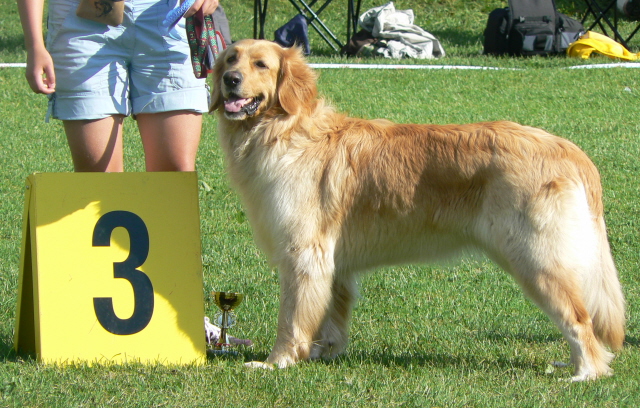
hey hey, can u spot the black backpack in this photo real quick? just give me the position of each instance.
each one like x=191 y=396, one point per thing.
x=530 y=27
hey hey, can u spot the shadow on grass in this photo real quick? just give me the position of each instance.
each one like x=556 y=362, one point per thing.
x=249 y=355
x=434 y=360
x=7 y=353
x=499 y=337
x=458 y=37
x=453 y=358
x=323 y=51
x=410 y=359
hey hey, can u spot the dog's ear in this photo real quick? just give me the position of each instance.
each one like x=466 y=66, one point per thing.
x=297 y=83
x=216 y=94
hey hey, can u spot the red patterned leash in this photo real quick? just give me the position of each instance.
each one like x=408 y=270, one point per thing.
x=205 y=43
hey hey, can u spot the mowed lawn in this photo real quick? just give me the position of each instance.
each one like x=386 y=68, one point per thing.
x=454 y=335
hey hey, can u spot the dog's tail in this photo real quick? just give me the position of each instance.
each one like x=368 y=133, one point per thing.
x=603 y=294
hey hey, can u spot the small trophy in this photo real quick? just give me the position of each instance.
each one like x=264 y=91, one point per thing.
x=225 y=318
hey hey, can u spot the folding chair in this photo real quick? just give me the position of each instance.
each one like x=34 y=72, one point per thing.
x=600 y=13
x=311 y=12
x=259 y=17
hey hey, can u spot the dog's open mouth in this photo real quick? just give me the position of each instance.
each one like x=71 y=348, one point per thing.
x=236 y=106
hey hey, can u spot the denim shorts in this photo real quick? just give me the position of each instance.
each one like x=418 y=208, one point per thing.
x=137 y=67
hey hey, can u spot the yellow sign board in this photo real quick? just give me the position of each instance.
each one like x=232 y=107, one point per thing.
x=111 y=269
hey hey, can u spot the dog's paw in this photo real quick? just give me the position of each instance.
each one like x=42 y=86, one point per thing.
x=333 y=342
x=591 y=376
x=326 y=351
x=259 y=364
x=581 y=378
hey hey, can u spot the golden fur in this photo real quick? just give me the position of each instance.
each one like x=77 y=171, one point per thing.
x=329 y=196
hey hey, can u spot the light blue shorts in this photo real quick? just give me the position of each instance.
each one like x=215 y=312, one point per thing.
x=133 y=68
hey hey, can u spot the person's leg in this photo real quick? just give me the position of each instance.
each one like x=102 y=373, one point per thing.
x=92 y=96
x=96 y=145
x=170 y=139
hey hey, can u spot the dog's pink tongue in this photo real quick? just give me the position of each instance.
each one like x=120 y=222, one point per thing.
x=235 y=104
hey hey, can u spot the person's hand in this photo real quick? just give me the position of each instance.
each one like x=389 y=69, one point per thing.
x=39 y=73
x=207 y=6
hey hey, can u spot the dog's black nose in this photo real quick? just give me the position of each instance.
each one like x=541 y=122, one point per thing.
x=232 y=78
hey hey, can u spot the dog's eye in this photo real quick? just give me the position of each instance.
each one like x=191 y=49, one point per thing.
x=231 y=59
x=260 y=64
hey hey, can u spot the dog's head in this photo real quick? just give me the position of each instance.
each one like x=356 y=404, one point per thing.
x=252 y=77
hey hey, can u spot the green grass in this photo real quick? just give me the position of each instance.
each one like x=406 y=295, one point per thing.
x=422 y=336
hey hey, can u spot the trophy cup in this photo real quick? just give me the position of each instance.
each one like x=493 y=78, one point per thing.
x=225 y=318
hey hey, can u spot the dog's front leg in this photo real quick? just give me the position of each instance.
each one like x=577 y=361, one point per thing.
x=306 y=280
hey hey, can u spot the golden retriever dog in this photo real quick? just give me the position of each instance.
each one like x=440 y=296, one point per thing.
x=330 y=196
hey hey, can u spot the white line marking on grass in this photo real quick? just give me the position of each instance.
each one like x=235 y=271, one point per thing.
x=615 y=65
x=392 y=66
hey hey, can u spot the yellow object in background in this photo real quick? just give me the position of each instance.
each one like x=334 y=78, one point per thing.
x=111 y=269
x=593 y=42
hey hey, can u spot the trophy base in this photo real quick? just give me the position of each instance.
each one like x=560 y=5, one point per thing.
x=225 y=353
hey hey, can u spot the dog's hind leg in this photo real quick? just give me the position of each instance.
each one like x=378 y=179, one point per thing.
x=559 y=296
x=552 y=250
x=334 y=334
x=306 y=283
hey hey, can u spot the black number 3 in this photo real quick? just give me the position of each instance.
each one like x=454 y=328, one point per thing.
x=142 y=287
